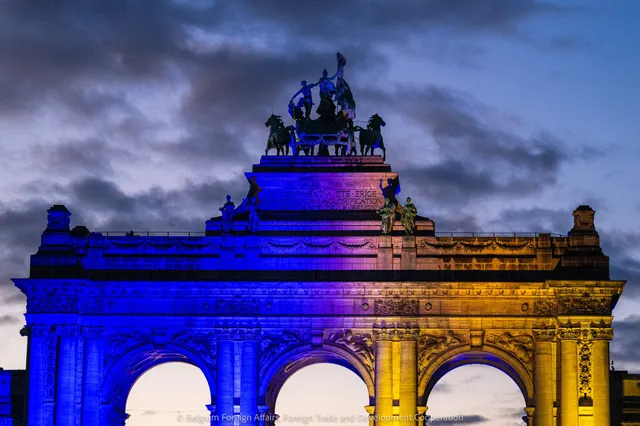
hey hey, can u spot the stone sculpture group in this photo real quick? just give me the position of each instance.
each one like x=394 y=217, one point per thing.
x=330 y=128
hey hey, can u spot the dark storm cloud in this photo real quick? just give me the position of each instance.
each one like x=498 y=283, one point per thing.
x=536 y=219
x=101 y=205
x=624 y=263
x=475 y=157
x=625 y=351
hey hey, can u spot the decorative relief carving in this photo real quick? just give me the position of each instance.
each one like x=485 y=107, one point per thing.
x=479 y=244
x=569 y=333
x=232 y=306
x=397 y=307
x=601 y=333
x=304 y=246
x=121 y=342
x=52 y=303
x=360 y=344
x=520 y=345
x=566 y=305
x=204 y=344
x=274 y=344
x=431 y=345
x=547 y=308
x=584 y=362
x=544 y=335
x=584 y=305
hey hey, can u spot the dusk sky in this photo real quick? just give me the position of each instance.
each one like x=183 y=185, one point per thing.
x=501 y=116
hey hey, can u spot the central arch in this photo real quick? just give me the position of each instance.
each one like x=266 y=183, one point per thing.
x=288 y=363
x=488 y=355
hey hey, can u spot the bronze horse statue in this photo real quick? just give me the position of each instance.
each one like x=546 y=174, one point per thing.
x=371 y=137
x=280 y=137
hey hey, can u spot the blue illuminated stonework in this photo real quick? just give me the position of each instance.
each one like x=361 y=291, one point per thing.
x=313 y=280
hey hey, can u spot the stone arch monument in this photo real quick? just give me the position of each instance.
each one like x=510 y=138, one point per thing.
x=303 y=272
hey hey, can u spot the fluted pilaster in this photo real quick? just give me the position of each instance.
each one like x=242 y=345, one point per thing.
x=544 y=377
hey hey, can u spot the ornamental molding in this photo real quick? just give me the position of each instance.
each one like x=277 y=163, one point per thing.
x=359 y=344
x=396 y=306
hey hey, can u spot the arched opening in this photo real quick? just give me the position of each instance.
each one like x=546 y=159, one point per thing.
x=323 y=394
x=476 y=394
x=166 y=371
x=168 y=394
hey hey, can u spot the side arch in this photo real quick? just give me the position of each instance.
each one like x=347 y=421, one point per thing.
x=123 y=374
x=288 y=363
x=463 y=355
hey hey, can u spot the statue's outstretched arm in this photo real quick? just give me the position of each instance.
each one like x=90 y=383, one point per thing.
x=294 y=96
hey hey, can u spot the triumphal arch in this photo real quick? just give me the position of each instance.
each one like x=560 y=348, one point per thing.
x=323 y=261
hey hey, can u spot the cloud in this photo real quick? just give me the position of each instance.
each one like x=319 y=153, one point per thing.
x=9 y=319
x=625 y=352
x=473 y=157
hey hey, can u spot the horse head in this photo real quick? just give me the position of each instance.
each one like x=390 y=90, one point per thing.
x=375 y=122
x=274 y=121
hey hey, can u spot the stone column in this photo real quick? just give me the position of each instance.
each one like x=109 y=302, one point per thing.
x=224 y=399
x=371 y=409
x=408 y=378
x=383 y=378
x=249 y=382
x=92 y=375
x=66 y=377
x=528 y=419
x=264 y=411
x=600 y=375
x=569 y=395
x=543 y=376
x=37 y=374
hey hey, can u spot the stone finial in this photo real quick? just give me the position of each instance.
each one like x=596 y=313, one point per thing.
x=58 y=218
x=583 y=219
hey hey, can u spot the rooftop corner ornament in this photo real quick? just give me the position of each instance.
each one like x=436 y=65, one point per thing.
x=330 y=128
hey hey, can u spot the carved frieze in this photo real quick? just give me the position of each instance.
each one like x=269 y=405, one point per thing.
x=432 y=344
x=519 y=345
x=547 y=308
x=479 y=244
x=360 y=344
x=238 y=306
x=570 y=305
x=275 y=246
x=584 y=304
x=397 y=307
x=52 y=303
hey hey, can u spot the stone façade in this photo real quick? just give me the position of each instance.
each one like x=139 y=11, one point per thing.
x=316 y=283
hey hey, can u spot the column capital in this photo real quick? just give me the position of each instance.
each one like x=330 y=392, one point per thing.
x=92 y=332
x=544 y=335
x=408 y=333
x=601 y=333
x=569 y=333
x=371 y=409
x=385 y=333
